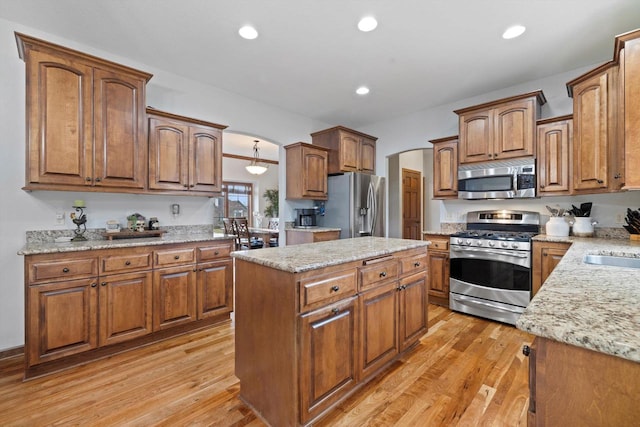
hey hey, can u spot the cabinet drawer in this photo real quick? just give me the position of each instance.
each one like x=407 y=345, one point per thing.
x=62 y=270
x=320 y=290
x=439 y=244
x=206 y=253
x=378 y=272
x=174 y=257
x=126 y=262
x=413 y=263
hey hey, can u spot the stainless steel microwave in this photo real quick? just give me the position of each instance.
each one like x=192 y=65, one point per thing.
x=508 y=179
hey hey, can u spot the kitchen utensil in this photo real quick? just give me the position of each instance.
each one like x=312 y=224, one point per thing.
x=553 y=211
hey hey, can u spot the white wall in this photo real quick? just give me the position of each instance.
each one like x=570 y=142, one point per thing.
x=21 y=211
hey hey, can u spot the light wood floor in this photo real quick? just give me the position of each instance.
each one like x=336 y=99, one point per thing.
x=465 y=372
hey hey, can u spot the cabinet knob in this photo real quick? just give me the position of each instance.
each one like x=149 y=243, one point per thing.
x=544 y=254
x=88 y=179
x=335 y=310
x=216 y=253
x=600 y=181
x=192 y=185
x=195 y=269
x=185 y=185
x=617 y=176
x=65 y=270
x=176 y=257
x=526 y=350
x=416 y=264
x=103 y=284
x=383 y=274
x=98 y=179
x=127 y=262
x=490 y=155
x=93 y=285
x=335 y=288
x=541 y=185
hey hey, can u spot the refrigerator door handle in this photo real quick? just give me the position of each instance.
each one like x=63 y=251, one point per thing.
x=373 y=209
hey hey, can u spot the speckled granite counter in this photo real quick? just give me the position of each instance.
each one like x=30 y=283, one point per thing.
x=310 y=256
x=438 y=232
x=50 y=247
x=591 y=306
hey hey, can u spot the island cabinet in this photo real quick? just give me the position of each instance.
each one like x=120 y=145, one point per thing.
x=438 y=267
x=349 y=150
x=299 y=236
x=545 y=258
x=574 y=386
x=598 y=164
x=555 y=139
x=501 y=129
x=89 y=304
x=86 y=126
x=445 y=168
x=307 y=168
x=185 y=154
x=306 y=340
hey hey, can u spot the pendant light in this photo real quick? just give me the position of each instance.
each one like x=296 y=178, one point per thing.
x=255 y=168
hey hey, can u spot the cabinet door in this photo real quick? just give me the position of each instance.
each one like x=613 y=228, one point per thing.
x=60 y=132
x=119 y=130
x=590 y=141
x=349 y=152
x=314 y=173
x=125 y=307
x=61 y=320
x=514 y=130
x=545 y=257
x=438 y=270
x=328 y=348
x=379 y=328
x=554 y=147
x=476 y=133
x=205 y=159
x=215 y=288
x=367 y=156
x=168 y=155
x=631 y=76
x=412 y=319
x=174 y=295
x=445 y=170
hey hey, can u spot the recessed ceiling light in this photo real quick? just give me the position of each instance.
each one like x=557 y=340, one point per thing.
x=513 y=32
x=248 y=32
x=368 y=23
x=362 y=90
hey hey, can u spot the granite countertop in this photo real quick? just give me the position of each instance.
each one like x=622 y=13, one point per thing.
x=437 y=232
x=591 y=306
x=51 y=247
x=310 y=256
x=313 y=229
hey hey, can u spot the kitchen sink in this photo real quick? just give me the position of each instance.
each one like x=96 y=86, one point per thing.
x=614 y=261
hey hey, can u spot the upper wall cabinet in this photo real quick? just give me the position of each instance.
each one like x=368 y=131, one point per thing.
x=306 y=171
x=85 y=121
x=555 y=140
x=500 y=129
x=185 y=155
x=350 y=150
x=597 y=138
x=445 y=168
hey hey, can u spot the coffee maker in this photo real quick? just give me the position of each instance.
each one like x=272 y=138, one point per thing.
x=306 y=218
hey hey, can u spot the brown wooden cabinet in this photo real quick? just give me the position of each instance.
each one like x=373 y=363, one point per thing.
x=85 y=121
x=501 y=129
x=546 y=256
x=307 y=168
x=438 y=268
x=185 y=155
x=445 y=168
x=305 y=340
x=597 y=143
x=350 y=150
x=555 y=138
x=298 y=237
x=80 y=304
x=574 y=386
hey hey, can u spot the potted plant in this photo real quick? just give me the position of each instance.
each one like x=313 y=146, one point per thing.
x=271 y=210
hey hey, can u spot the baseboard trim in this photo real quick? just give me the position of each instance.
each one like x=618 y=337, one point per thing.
x=10 y=352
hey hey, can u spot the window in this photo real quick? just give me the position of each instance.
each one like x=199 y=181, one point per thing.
x=233 y=202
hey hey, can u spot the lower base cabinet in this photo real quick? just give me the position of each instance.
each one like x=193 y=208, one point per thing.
x=305 y=341
x=297 y=237
x=84 y=305
x=545 y=258
x=438 y=266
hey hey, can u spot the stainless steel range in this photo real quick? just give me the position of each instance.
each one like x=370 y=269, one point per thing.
x=490 y=269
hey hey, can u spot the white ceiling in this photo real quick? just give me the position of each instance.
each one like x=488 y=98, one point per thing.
x=310 y=57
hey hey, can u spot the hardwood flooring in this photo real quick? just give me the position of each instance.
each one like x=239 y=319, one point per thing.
x=465 y=372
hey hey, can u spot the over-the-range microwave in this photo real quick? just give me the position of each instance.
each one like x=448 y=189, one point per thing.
x=507 y=179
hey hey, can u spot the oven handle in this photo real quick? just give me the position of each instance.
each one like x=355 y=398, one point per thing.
x=485 y=251
x=485 y=304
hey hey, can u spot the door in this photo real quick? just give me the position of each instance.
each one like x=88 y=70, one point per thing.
x=205 y=159
x=412 y=312
x=215 y=288
x=379 y=339
x=168 y=155
x=411 y=212
x=125 y=307
x=174 y=294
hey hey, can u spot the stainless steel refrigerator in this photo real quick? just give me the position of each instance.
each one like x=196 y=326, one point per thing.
x=356 y=205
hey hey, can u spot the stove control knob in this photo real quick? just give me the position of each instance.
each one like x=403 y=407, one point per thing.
x=479 y=242
x=504 y=244
x=491 y=244
x=468 y=242
x=514 y=245
x=459 y=241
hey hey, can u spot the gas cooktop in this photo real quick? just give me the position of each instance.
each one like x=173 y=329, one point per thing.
x=495 y=235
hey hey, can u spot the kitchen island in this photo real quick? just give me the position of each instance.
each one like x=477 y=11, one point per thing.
x=315 y=321
x=585 y=364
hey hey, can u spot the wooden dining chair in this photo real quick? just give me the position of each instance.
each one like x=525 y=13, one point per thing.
x=246 y=240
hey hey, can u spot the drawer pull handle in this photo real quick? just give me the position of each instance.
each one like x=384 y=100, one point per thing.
x=216 y=253
x=416 y=264
x=65 y=270
x=127 y=262
x=103 y=284
x=88 y=179
x=526 y=350
x=176 y=257
x=93 y=285
x=383 y=274
x=335 y=288
x=335 y=310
